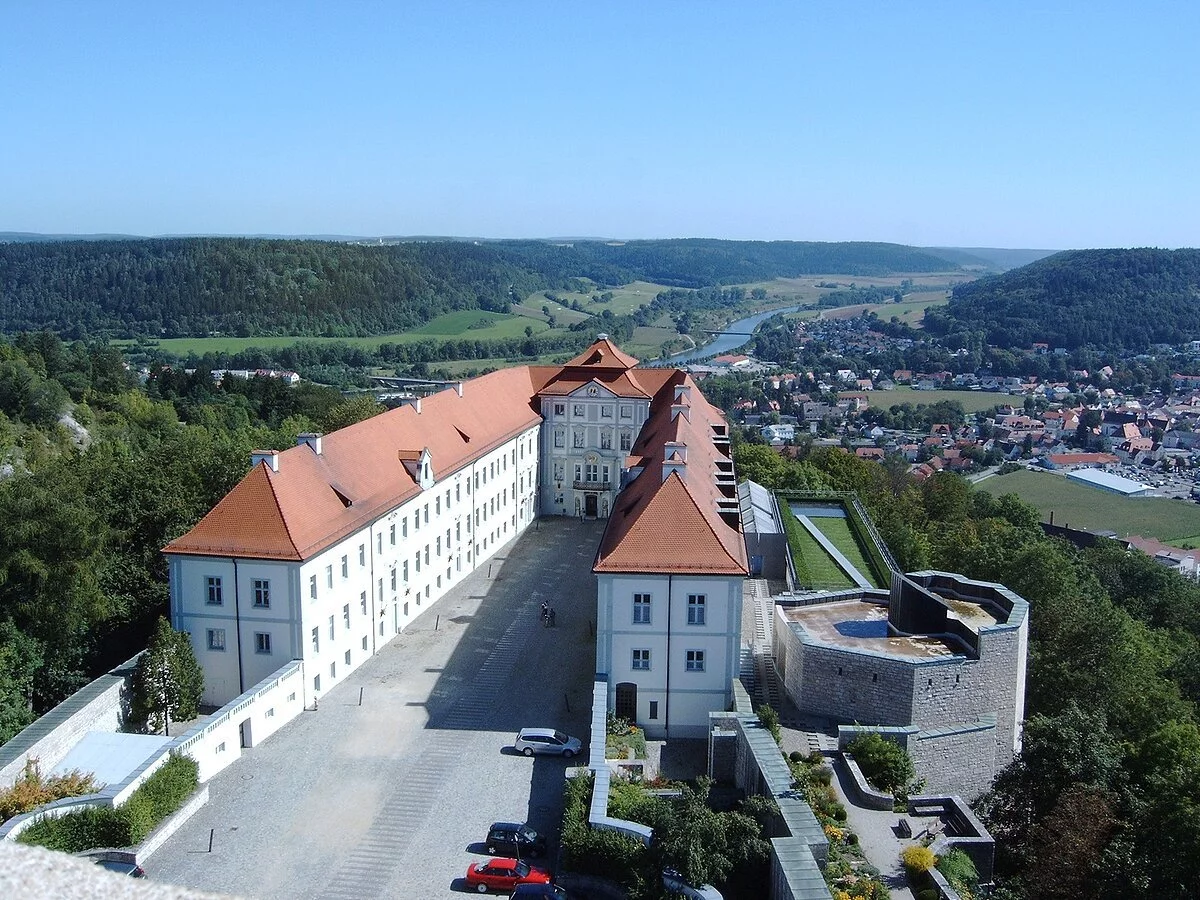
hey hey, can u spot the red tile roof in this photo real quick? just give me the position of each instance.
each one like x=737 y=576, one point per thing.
x=314 y=501
x=673 y=524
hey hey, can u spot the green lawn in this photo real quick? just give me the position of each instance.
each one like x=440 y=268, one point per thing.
x=815 y=568
x=1092 y=509
x=839 y=534
x=625 y=299
x=972 y=401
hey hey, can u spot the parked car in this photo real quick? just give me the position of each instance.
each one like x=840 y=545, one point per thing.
x=514 y=839
x=673 y=882
x=538 y=892
x=121 y=867
x=546 y=740
x=504 y=875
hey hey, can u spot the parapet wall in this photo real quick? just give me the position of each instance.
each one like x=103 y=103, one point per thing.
x=100 y=705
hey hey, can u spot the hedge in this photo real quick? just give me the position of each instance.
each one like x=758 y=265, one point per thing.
x=124 y=826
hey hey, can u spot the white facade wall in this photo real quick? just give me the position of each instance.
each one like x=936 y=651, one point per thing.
x=339 y=607
x=673 y=697
x=585 y=440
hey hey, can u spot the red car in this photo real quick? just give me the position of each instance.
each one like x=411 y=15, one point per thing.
x=504 y=875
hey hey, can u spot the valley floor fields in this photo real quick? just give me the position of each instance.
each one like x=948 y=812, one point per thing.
x=972 y=401
x=1091 y=509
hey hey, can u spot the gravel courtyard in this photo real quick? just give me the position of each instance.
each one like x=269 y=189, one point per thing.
x=384 y=798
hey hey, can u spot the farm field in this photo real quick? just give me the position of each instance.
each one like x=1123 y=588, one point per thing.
x=1080 y=506
x=839 y=534
x=972 y=401
x=474 y=324
x=625 y=299
x=806 y=290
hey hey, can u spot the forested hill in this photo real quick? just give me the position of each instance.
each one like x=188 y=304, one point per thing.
x=1118 y=299
x=195 y=286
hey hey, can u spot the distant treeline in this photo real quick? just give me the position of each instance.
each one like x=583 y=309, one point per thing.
x=1113 y=299
x=193 y=287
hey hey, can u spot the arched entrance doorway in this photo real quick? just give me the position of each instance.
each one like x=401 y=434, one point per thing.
x=625 y=706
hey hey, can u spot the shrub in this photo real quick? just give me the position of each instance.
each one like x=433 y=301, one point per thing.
x=795 y=756
x=928 y=894
x=917 y=860
x=885 y=764
x=32 y=790
x=84 y=829
x=959 y=869
x=770 y=720
x=595 y=851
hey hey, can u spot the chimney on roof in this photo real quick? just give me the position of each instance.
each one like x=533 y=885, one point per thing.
x=310 y=438
x=602 y=336
x=459 y=387
x=270 y=457
x=417 y=405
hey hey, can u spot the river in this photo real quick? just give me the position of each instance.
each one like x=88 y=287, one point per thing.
x=733 y=337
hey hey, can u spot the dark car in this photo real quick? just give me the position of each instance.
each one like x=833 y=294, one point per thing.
x=514 y=839
x=539 y=892
x=121 y=867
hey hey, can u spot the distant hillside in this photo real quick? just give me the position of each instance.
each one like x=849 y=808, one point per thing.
x=996 y=259
x=245 y=286
x=1119 y=299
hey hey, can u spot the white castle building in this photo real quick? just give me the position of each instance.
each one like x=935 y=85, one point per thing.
x=327 y=550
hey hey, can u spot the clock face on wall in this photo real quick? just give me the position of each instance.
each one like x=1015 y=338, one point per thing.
x=591 y=457
x=592 y=391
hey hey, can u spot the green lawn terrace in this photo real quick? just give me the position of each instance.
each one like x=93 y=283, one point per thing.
x=833 y=546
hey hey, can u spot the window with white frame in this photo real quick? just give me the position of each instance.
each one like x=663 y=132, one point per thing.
x=316 y=640
x=216 y=639
x=312 y=587
x=262 y=642
x=392 y=534
x=695 y=660
x=329 y=576
x=641 y=659
x=393 y=579
x=577 y=437
x=626 y=412
x=560 y=409
x=605 y=440
x=362 y=602
x=579 y=410
x=362 y=555
x=331 y=629
x=345 y=567
x=696 y=603
x=559 y=439
x=626 y=440
x=216 y=596
x=404 y=527
x=262 y=593
x=346 y=614
x=641 y=609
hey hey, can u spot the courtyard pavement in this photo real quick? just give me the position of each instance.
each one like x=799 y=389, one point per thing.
x=387 y=796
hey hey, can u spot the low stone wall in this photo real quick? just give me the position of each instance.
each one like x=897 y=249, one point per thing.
x=98 y=706
x=964 y=830
x=598 y=816
x=867 y=796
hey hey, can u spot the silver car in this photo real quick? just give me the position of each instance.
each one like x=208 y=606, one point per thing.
x=546 y=740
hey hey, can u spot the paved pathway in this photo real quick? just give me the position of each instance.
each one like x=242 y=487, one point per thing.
x=386 y=798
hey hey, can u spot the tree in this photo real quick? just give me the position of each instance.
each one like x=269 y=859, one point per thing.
x=168 y=681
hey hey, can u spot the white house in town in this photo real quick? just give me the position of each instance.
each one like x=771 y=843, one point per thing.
x=325 y=551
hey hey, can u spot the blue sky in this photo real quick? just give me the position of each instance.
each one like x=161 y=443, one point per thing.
x=1050 y=125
